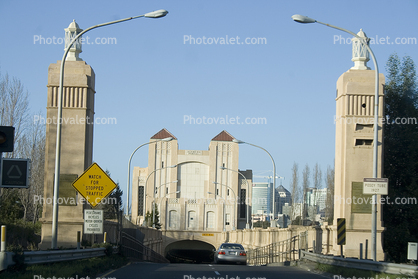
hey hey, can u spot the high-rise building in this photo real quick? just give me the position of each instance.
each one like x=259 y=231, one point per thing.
x=282 y=197
x=262 y=195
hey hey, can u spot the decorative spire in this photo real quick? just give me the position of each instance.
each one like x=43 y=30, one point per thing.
x=360 y=52
x=70 y=33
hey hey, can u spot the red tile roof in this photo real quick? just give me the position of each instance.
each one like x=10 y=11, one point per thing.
x=163 y=134
x=223 y=136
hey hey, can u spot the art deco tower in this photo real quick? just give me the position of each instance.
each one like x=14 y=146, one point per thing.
x=354 y=143
x=76 y=142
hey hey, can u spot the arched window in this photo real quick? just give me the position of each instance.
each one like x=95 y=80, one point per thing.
x=192 y=220
x=172 y=219
x=210 y=219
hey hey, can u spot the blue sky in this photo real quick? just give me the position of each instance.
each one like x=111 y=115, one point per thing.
x=153 y=77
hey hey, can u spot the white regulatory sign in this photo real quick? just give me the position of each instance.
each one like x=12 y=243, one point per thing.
x=375 y=186
x=93 y=221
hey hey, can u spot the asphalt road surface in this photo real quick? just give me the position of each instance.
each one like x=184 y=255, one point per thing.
x=207 y=271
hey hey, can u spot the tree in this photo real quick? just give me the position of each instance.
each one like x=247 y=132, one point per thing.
x=294 y=184
x=329 y=204
x=29 y=143
x=14 y=110
x=400 y=156
x=149 y=218
x=305 y=185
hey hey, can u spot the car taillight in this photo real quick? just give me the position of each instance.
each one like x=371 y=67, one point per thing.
x=242 y=254
x=221 y=253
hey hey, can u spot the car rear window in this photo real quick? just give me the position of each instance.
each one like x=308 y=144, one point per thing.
x=232 y=246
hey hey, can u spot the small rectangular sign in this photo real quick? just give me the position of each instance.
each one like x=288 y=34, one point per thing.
x=412 y=251
x=375 y=186
x=93 y=221
x=207 y=234
x=15 y=173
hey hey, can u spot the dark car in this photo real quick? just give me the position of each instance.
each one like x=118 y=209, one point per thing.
x=231 y=253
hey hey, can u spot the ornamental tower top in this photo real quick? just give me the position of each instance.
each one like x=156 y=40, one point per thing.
x=360 y=52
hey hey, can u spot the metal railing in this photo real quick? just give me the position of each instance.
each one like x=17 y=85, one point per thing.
x=37 y=257
x=283 y=251
x=132 y=248
x=40 y=257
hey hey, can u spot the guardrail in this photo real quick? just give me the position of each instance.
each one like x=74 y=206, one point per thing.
x=39 y=257
x=390 y=268
x=36 y=257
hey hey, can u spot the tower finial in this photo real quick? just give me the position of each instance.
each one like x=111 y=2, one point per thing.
x=70 y=32
x=360 y=52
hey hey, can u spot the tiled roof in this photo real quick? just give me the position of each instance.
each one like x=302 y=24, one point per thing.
x=223 y=136
x=163 y=134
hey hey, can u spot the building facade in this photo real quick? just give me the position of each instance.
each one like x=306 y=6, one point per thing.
x=261 y=201
x=192 y=189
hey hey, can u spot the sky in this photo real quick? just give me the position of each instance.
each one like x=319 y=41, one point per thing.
x=178 y=73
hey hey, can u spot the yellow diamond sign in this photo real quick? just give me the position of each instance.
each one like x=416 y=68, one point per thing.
x=94 y=185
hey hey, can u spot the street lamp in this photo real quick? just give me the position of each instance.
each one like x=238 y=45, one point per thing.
x=235 y=203
x=272 y=222
x=247 y=226
x=153 y=201
x=223 y=215
x=305 y=19
x=129 y=172
x=54 y=237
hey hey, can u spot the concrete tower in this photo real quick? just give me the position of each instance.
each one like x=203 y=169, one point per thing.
x=354 y=151
x=76 y=146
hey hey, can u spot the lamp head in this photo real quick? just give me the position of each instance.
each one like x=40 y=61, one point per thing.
x=238 y=141
x=156 y=14
x=167 y=139
x=303 y=19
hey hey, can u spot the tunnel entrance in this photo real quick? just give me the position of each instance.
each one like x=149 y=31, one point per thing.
x=189 y=251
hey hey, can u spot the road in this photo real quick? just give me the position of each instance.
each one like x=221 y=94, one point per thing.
x=207 y=271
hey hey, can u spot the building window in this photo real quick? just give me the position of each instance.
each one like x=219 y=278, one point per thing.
x=364 y=142
x=192 y=219
x=141 y=209
x=172 y=218
x=210 y=219
x=227 y=219
x=242 y=205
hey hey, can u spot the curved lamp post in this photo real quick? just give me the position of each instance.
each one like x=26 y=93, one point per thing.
x=247 y=226
x=223 y=214
x=235 y=204
x=305 y=19
x=129 y=172
x=272 y=222
x=54 y=237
